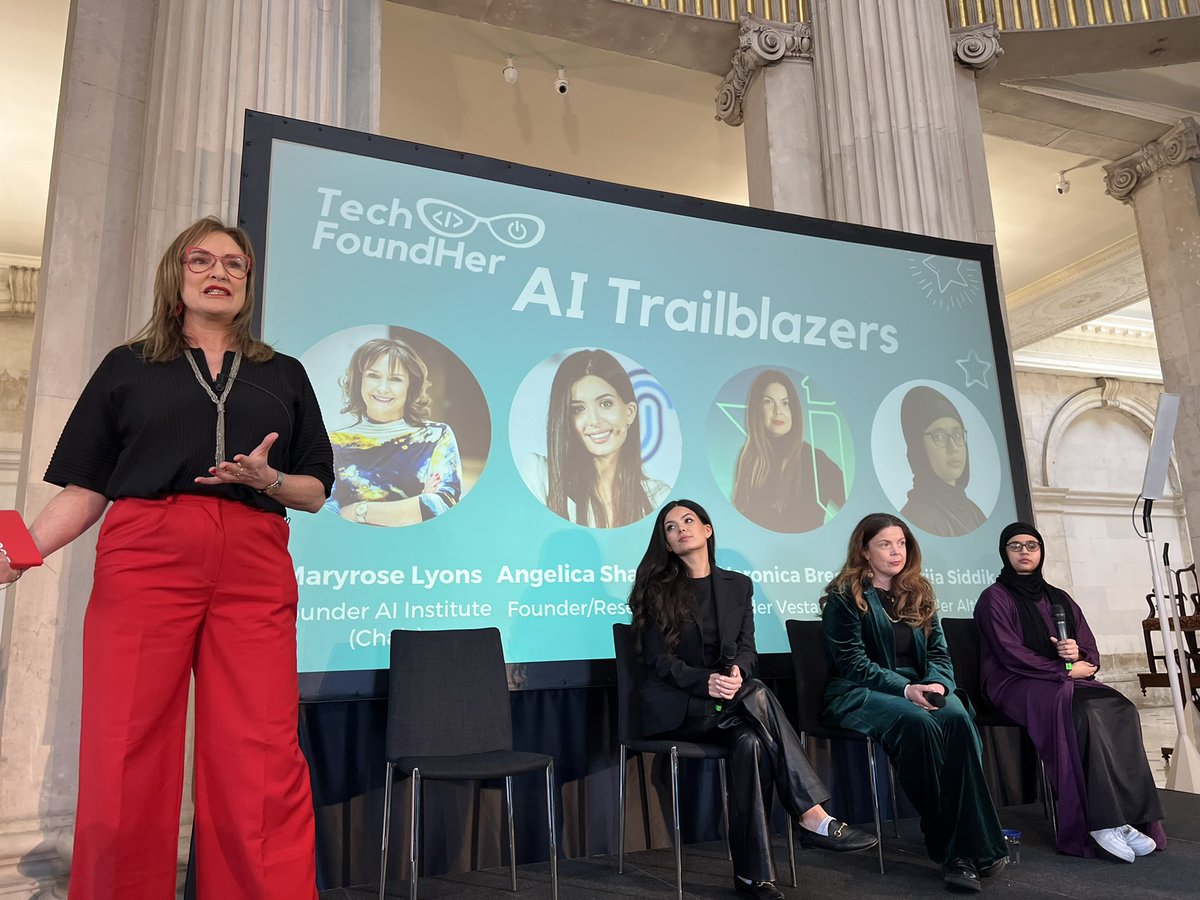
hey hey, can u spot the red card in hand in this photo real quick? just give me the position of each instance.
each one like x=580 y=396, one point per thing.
x=17 y=542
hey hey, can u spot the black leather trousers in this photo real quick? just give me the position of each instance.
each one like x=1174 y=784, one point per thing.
x=764 y=753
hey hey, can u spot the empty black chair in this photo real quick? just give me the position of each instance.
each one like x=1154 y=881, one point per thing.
x=962 y=639
x=812 y=672
x=629 y=735
x=449 y=719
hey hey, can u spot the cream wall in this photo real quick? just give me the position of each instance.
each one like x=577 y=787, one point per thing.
x=625 y=119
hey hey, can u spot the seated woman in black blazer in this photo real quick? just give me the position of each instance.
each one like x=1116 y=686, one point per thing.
x=685 y=611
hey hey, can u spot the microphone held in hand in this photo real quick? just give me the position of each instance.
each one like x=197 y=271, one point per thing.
x=725 y=667
x=1060 y=624
x=935 y=699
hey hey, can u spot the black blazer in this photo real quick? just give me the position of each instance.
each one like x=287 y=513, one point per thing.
x=672 y=678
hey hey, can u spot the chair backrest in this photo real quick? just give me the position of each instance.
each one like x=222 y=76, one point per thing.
x=962 y=640
x=447 y=694
x=630 y=675
x=807 y=644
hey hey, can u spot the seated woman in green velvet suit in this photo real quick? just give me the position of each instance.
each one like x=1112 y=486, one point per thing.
x=891 y=678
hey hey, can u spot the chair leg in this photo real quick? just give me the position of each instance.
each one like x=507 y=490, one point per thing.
x=791 y=842
x=895 y=802
x=675 y=823
x=725 y=806
x=414 y=845
x=1051 y=803
x=387 y=822
x=552 y=827
x=621 y=815
x=875 y=799
x=512 y=842
x=641 y=766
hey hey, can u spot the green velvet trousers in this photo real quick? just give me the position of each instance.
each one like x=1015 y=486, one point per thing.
x=936 y=757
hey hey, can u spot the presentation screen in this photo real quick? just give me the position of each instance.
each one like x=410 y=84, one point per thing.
x=518 y=368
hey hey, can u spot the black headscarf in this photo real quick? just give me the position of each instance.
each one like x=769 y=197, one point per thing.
x=933 y=505
x=1027 y=590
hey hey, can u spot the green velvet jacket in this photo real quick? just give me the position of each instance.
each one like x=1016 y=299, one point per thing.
x=862 y=657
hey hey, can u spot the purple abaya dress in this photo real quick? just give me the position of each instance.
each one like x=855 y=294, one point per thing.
x=1037 y=692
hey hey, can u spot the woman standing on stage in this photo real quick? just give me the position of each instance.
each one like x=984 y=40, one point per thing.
x=685 y=610
x=202 y=437
x=892 y=679
x=782 y=482
x=1088 y=734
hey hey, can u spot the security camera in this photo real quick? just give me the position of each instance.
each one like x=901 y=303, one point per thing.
x=561 y=86
x=509 y=71
x=1063 y=185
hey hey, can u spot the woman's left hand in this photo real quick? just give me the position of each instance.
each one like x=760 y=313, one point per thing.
x=251 y=470
x=1081 y=669
x=725 y=687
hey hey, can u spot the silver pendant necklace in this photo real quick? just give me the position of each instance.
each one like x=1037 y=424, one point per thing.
x=219 y=400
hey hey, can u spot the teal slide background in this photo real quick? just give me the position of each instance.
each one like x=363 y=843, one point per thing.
x=312 y=290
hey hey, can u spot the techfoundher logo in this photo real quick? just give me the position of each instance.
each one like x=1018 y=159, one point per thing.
x=517 y=230
x=380 y=228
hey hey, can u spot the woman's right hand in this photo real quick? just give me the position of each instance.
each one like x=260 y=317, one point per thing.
x=432 y=484
x=7 y=573
x=725 y=687
x=915 y=694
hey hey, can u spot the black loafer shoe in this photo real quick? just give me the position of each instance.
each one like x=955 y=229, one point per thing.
x=961 y=875
x=842 y=838
x=762 y=890
x=994 y=868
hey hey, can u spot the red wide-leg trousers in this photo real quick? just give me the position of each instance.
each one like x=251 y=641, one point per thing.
x=189 y=585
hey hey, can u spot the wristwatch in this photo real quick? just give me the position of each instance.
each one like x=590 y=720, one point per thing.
x=273 y=488
x=360 y=512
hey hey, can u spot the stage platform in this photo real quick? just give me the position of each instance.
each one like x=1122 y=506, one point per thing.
x=1043 y=873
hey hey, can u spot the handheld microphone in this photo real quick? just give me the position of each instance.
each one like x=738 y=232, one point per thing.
x=934 y=699
x=1060 y=624
x=725 y=667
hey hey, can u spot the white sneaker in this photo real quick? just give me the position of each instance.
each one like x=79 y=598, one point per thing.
x=1140 y=844
x=1112 y=840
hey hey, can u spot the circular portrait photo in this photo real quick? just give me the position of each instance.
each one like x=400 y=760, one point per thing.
x=595 y=438
x=780 y=449
x=408 y=422
x=936 y=458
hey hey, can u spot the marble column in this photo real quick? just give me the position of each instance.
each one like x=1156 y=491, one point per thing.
x=148 y=139
x=1161 y=181
x=865 y=117
x=770 y=91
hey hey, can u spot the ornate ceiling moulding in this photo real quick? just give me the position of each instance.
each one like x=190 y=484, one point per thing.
x=760 y=43
x=1179 y=145
x=978 y=46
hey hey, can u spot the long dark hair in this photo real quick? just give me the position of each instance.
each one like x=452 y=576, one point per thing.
x=162 y=336
x=570 y=469
x=662 y=585
x=915 y=600
x=393 y=352
x=765 y=457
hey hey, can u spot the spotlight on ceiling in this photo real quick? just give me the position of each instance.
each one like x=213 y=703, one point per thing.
x=509 y=71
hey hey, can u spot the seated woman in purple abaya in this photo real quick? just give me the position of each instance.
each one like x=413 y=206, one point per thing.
x=1088 y=734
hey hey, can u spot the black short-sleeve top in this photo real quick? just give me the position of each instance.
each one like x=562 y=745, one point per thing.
x=143 y=429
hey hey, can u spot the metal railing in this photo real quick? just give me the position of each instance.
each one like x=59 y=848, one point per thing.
x=1009 y=15
x=731 y=10
x=1046 y=15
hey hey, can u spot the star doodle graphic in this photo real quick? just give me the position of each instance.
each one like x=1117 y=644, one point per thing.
x=947 y=282
x=975 y=369
x=948 y=272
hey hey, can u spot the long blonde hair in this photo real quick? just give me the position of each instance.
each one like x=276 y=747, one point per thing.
x=162 y=335
x=915 y=600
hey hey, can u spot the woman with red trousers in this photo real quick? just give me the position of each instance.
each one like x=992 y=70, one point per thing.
x=202 y=438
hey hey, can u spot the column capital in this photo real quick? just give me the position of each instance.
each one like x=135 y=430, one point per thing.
x=760 y=43
x=1179 y=145
x=977 y=46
